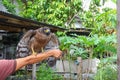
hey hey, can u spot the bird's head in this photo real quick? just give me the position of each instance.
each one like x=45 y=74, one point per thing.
x=46 y=30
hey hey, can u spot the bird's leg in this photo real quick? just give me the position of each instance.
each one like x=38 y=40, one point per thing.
x=42 y=50
x=33 y=52
x=34 y=65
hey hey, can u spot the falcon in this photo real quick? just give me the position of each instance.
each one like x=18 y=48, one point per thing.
x=33 y=41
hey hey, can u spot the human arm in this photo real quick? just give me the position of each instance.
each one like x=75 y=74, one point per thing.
x=7 y=67
x=20 y=62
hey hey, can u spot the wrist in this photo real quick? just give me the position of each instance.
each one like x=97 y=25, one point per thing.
x=50 y=52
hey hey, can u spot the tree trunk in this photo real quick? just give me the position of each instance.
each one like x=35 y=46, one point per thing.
x=118 y=38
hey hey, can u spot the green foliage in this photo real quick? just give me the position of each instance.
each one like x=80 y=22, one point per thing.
x=107 y=73
x=59 y=33
x=114 y=1
x=67 y=41
x=46 y=73
x=106 y=20
x=55 y=12
x=104 y=45
x=94 y=46
x=101 y=23
x=59 y=12
x=107 y=68
x=9 y=6
x=52 y=12
x=96 y=2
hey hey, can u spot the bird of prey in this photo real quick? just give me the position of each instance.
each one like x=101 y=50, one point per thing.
x=35 y=41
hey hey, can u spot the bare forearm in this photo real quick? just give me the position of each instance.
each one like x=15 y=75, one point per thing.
x=39 y=57
x=32 y=59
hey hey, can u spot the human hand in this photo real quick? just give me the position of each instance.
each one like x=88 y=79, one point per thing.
x=56 y=53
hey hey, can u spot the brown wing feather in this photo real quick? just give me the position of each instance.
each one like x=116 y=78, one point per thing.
x=22 y=47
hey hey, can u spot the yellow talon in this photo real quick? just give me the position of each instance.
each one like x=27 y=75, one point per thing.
x=33 y=52
x=42 y=49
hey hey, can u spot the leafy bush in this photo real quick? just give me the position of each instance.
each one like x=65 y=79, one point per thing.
x=93 y=46
x=107 y=73
x=107 y=69
x=46 y=73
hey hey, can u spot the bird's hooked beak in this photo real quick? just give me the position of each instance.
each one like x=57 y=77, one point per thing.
x=47 y=31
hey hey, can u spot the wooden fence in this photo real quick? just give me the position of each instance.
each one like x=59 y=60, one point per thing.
x=71 y=70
